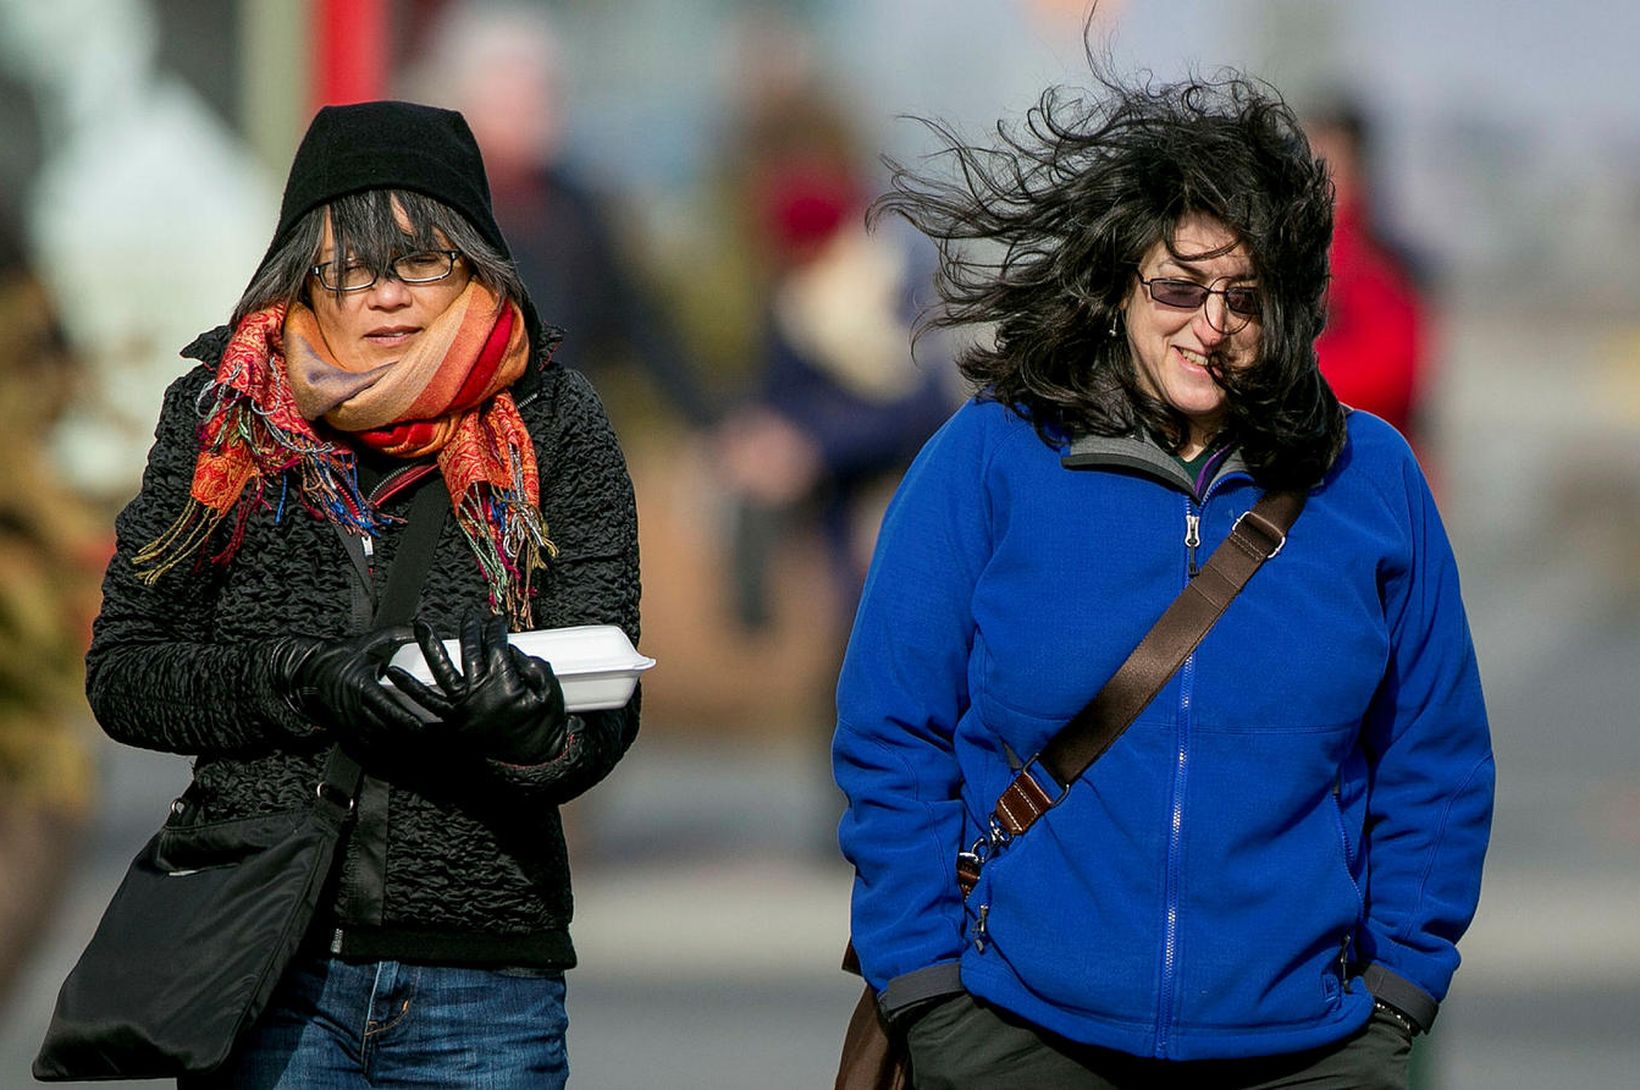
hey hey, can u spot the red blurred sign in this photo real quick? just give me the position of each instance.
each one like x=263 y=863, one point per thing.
x=350 y=51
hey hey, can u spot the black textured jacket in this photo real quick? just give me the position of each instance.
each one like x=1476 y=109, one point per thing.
x=451 y=860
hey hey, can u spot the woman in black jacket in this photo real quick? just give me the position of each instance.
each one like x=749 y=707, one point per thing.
x=384 y=346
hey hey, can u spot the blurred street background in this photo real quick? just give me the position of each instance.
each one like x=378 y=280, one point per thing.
x=682 y=185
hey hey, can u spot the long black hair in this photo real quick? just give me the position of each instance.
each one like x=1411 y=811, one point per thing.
x=1040 y=235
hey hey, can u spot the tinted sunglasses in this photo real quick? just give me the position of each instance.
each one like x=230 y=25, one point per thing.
x=1188 y=295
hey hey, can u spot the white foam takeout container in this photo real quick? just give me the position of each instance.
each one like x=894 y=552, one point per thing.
x=595 y=663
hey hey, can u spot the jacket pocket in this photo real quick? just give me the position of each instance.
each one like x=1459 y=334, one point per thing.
x=196 y=847
x=1268 y=892
x=1069 y=907
x=1347 y=852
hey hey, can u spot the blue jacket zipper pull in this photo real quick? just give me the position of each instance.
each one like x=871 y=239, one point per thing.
x=1192 y=538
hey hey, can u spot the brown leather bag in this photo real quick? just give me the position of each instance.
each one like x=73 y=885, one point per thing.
x=875 y=1059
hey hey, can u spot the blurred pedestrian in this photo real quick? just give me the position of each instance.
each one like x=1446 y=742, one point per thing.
x=502 y=67
x=51 y=549
x=1262 y=882
x=384 y=347
x=838 y=405
x=1373 y=351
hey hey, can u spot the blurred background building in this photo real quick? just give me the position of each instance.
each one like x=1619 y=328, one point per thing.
x=682 y=183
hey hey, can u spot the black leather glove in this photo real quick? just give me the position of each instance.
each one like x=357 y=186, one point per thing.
x=504 y=703
x=337 y=684
x=592 y=748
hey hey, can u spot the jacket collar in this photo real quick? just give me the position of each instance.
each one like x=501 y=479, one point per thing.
x=1141 y=454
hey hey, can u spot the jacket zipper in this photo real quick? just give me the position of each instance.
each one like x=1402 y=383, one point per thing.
x=1343 y=965
x=1175 y=838
x=1175 y=831
x=390 y=484
x=1349 y=850
x=1181 y=764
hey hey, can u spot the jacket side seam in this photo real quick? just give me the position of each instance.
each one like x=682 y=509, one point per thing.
x=1405 y=930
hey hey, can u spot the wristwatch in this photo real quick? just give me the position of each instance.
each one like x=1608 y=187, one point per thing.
x=1402 y=1020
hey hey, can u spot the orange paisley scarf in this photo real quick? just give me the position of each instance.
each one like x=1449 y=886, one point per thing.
x=448 y=397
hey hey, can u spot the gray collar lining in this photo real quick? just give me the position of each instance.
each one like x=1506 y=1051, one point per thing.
x=1141 y=455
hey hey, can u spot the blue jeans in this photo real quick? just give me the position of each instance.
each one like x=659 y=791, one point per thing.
x=335 y=1024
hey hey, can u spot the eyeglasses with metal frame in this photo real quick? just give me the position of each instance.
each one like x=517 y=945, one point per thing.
x=419 y=267
x=1170 y=291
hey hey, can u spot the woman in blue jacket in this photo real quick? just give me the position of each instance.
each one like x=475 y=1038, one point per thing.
x=1263 y=881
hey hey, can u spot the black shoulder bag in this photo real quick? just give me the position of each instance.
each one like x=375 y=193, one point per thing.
x=209 y=915
x=872 y=1059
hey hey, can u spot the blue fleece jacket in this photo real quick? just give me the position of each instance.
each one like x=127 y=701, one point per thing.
x=1295 y=823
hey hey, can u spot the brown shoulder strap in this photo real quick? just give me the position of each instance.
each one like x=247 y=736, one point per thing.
x=1256 y=537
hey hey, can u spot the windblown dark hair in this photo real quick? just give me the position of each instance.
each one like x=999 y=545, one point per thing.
x=1040 y=236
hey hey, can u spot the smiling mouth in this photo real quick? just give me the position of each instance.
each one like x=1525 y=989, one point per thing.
x=1192 y=357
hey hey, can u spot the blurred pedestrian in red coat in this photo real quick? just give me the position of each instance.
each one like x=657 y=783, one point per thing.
x=1373 y=350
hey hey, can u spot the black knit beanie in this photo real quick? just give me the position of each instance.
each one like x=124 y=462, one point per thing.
x=388 y=145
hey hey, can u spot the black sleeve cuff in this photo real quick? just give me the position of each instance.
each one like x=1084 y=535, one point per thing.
x=907 y=992
x=1399 y=992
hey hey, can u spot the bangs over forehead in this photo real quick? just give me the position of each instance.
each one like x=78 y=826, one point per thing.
x=1170 y=241
x=372 y=228
x=377 y=225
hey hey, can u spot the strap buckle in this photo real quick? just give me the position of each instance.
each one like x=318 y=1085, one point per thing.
x=1045 y=777
x=1264 y=528
x=992 y=840
x=329 y=792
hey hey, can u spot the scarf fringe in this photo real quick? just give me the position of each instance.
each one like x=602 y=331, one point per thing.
x=329 y=489
x=185 y=537
x=252 y=433
x=509 y=539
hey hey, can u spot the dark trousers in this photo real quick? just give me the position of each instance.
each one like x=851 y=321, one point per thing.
x=964 y=1044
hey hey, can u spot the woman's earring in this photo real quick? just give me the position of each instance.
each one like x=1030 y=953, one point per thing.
x=1115 y=322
